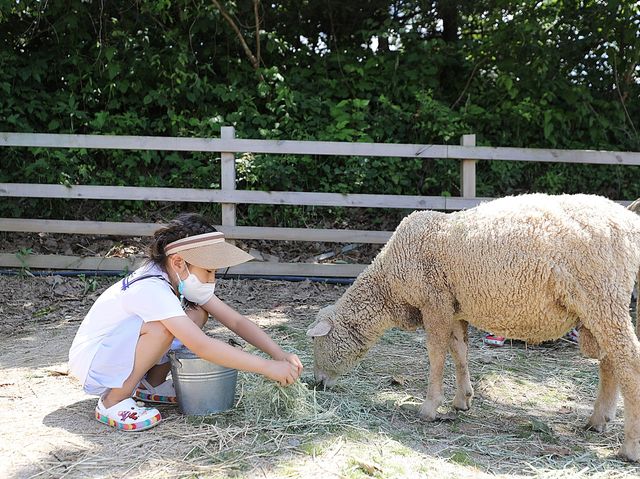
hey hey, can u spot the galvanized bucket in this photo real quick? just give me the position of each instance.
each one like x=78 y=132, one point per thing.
x=202 y=387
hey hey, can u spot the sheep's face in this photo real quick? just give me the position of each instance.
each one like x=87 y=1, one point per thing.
x=331 y=352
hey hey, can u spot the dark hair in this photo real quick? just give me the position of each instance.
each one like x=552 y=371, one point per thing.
x=182 y=226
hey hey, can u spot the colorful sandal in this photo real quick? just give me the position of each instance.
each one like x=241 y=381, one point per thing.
x=163 y=393
x=128 y=416
x=492 y=340
x=572 y=335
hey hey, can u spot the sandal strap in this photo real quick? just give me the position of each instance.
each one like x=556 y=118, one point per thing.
x=146 y=384
x=162 y=393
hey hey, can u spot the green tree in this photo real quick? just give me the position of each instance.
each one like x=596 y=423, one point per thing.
x=553 y=74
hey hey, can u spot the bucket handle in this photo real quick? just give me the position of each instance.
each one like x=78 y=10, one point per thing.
x=173 y=357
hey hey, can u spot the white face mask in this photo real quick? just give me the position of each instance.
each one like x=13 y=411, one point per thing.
x=194 y=290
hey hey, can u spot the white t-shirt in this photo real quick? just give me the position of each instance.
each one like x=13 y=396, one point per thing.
x=103 y=350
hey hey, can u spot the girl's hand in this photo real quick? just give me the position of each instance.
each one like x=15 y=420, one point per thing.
x=294 y=360
x=282 y=372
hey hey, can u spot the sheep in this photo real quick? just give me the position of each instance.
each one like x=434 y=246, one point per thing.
x=527 y=267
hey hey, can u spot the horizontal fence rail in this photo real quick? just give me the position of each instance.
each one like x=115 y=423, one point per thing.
x=231 y=232
x=332 y=148
x=252 y=268
x=228 y=196
x=87 y=192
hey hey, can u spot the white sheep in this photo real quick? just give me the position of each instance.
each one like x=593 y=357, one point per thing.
x=528 y=267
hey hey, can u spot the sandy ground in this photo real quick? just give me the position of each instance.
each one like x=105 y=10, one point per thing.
x=527 y=419
x=47 y=426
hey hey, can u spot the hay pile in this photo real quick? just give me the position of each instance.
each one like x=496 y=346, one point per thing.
x=263 y=399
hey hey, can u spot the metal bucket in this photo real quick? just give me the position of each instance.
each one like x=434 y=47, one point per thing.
x=202 y=387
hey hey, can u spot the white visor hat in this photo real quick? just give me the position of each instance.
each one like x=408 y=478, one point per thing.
x=208 y=251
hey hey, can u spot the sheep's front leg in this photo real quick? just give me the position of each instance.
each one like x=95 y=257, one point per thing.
x=459 y=347
x=437 y=344
x=604 y=409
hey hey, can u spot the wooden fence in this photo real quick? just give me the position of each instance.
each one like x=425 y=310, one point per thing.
x=228 y=196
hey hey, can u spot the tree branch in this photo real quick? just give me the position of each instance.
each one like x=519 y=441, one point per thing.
x=464 y=90
x=256 y=14
x=254 y=61
x=621 y=96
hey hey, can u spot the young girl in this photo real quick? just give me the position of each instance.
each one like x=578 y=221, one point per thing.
x=120 y=348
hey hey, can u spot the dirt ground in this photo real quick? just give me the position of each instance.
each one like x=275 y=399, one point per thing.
x=527 y=418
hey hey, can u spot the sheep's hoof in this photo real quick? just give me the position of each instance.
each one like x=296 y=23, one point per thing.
x=630 y=450
x=595 y=427
x=428 y=416
x=463 y=404
x=597 y=424
x=428 y=411
x=434 y=415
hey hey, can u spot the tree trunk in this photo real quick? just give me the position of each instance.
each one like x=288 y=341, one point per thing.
x=448 y=11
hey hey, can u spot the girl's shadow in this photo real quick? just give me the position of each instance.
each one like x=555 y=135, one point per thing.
x=77 y=418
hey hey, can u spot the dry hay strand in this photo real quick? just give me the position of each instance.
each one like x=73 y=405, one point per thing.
x=296 y=409
x=297 y=406
x=266 y=400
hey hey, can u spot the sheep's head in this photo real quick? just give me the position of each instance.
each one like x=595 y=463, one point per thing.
x=335 y=350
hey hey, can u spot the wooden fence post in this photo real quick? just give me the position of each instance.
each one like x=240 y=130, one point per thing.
x=228 y=177
x=468 y=170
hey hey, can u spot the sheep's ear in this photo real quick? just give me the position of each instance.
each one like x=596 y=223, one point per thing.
x=320 y=328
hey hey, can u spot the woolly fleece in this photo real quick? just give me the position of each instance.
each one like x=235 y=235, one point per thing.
x=528 y=267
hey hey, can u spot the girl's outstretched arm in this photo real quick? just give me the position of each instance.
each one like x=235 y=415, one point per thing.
x=219 y=352
x=249 y=331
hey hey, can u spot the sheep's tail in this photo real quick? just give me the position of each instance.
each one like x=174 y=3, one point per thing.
x=635 y=207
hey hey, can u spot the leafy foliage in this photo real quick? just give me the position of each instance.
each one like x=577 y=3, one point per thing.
x=544 y=74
